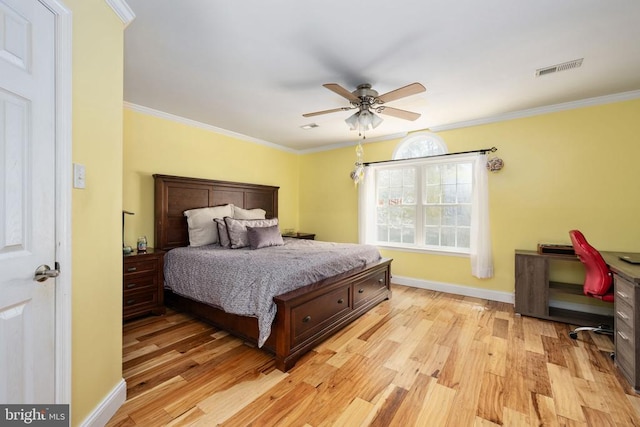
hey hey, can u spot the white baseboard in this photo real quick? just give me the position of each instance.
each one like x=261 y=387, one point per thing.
x=108 y=407
x=449 y=288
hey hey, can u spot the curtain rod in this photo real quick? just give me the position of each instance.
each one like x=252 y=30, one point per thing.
x=482 y=150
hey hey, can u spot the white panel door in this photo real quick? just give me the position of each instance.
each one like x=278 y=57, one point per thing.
x=27 y=196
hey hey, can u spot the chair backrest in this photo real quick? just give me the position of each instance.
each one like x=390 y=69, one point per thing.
x=598 y=278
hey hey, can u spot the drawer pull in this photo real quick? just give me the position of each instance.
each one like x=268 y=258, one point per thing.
x=130 y=301
x=307 y=319
x=622 y=295
x=360 y=291
x=381 y=281
x=623 y=336
x=340 y=301
x=622 y=315
x=131 y=285
x=131 y=269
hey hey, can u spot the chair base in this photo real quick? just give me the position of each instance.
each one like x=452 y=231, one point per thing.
x=600 y=329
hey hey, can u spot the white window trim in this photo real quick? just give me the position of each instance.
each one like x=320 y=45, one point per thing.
x=366 y=216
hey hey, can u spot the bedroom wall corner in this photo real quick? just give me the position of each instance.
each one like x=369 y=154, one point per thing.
x=97 y=85
x=157 y=145
x=563 y=170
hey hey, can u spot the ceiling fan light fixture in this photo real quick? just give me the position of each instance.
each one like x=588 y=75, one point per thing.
x=352 y=121
x=363 y=120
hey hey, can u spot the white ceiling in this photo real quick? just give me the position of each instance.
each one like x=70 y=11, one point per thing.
x=253 y=67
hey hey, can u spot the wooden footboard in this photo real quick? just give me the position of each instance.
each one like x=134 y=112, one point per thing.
x=306 y=316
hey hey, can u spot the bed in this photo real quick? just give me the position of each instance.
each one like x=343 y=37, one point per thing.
x=304 y=316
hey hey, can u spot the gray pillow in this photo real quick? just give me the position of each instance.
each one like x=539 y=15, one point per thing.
x=262 y=237
x=223 y=234
x=237 y=229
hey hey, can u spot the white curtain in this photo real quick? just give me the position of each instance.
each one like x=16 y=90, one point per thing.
x=366 y=199
x=480 y=245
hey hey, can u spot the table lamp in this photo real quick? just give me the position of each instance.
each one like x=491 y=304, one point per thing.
x=126 y=250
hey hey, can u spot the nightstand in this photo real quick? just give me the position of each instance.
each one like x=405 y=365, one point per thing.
x=307 y=236
x=142 y=283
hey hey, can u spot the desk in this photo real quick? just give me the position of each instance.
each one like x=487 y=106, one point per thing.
x=532 y=292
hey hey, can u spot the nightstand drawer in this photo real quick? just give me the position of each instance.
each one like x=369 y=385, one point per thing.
x=133 y=301
x=139 y=266
x=140 y=281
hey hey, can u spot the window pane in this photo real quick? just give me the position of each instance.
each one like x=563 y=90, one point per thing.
x=449 y=174
x=395 y=178
x=433 y=174
x=395 y=235
x=463 y=237
x=449 y=193
x=383 y=215
x=409 y=216
x=465 y=173
x=434 y=193
x=382 y=178
x=448 y=236
x=395 y=216
x=432 y=236
x=464 y=193
x=383 y=233
x=409 y=196
x=449 y=215
x=432 y=215
x=408 y=235
x=464 y=215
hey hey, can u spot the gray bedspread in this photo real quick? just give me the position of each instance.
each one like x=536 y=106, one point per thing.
x=244 y=281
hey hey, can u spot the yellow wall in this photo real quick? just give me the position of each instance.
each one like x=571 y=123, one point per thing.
x=96 y=224
x=564 y=170
x=160 y=146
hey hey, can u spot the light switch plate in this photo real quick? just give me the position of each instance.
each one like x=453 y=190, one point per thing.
x=78 y=176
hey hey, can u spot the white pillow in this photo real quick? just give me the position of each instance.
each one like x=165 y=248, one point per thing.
x=239 y=213
x=201 y=225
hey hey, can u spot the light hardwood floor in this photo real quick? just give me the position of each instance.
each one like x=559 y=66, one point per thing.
x=422 y=358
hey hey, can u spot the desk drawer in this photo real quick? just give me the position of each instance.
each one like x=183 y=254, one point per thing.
x=624 y=290
x=625 y=347
x=624 y=313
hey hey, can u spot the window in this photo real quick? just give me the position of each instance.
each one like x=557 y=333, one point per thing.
x=419 y=203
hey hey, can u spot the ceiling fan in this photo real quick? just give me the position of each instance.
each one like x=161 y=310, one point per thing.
x=365 y=99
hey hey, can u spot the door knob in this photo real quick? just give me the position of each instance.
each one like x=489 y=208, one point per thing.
x=43 y=272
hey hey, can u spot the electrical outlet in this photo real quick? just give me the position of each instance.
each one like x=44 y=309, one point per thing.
x=78 y=176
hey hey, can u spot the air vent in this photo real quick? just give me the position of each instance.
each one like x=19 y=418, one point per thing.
x=559 y=67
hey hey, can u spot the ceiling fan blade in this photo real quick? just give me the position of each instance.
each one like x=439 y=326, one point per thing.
x=407 y=90
x=396 y=112
x=333 y=110
x=335 y=87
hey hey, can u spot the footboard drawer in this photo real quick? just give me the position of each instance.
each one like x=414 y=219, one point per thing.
x=369 y=288
x=310 y=317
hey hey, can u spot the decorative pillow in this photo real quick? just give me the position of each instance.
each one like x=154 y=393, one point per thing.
x=237 y=229
x=222 y=232
x=262 y=237
x=202 y=229
x=239 y=213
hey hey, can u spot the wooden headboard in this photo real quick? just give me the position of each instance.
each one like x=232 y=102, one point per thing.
x=175 y=194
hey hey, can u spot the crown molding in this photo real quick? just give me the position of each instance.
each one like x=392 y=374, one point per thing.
x=607 y=99
x=589 y=102
x=122 y=9
x=200 y=125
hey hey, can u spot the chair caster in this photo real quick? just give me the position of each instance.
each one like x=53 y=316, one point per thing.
x=573 y=335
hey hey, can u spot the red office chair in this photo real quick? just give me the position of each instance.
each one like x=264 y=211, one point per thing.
x=598 y=278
